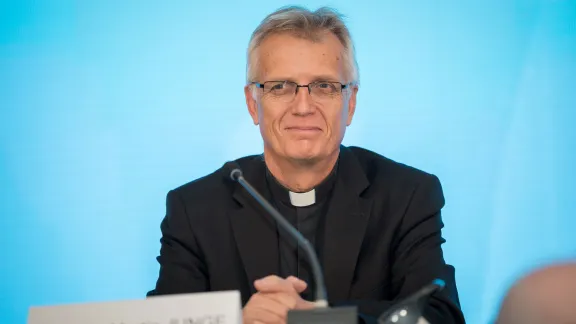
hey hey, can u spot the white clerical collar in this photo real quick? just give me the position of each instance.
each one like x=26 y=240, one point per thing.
x=302 y=199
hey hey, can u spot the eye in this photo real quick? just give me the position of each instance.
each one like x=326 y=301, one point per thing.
x=326 y=88
x=277 y=86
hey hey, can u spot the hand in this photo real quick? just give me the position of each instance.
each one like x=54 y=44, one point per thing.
x=275 y=297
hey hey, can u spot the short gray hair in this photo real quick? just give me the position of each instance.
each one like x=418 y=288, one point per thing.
x=310 y=25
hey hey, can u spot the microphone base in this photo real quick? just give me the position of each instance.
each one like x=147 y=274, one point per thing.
x=338 y=315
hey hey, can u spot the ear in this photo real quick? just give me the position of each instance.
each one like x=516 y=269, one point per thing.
x=251 y=103
x=351 y=104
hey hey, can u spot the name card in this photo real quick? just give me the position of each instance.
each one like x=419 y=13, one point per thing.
x=200 y=308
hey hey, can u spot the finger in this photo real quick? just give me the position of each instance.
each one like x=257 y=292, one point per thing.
x=304 y=304
x=289 y=300
x=270 y=279
x=269 y=304
x=299 y=284
x=259 y=315
x=274 y=285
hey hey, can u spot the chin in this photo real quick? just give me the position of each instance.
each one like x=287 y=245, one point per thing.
x=302 y=152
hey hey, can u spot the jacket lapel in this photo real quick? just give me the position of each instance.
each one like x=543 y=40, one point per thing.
x=254 y=229
x=346 y=221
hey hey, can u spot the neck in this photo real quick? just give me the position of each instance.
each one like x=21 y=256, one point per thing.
x=300 y=176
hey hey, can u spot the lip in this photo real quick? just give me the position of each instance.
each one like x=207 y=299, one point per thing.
x=303 y=129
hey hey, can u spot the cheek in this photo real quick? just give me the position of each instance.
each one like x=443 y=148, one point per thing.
x=336 y=118
x=270 y=117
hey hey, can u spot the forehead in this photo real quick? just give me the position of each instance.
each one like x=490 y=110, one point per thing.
x=288 y=57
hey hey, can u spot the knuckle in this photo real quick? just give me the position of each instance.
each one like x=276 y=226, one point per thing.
x=272 y=277
x=255 y=299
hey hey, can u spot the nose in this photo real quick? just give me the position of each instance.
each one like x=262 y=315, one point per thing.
x=303 y=104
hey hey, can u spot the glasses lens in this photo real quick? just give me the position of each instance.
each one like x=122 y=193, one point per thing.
x=279 y=89
x=326 y=89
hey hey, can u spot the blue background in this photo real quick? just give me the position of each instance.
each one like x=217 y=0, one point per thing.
x=107 y=105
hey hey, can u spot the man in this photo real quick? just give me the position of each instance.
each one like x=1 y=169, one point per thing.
x=374 y=223
x=545 y=296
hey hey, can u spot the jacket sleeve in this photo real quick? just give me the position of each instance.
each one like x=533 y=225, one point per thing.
x=418 y=260
x=182 y=269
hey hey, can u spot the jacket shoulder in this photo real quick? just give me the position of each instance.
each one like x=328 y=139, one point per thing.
x=380 y=168
x=214 y=185
x=398 y=181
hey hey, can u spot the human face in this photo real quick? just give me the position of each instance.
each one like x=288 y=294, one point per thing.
x=304 y=129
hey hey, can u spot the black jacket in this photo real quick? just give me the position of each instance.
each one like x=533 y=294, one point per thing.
x=382 y=236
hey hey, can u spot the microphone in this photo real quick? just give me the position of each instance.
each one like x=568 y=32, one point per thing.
x=409 y=311
x=322 y=313
x=236 y=175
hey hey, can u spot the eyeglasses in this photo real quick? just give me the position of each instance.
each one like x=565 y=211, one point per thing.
x=285 y=91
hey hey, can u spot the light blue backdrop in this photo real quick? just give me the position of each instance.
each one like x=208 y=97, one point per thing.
x=107 y=105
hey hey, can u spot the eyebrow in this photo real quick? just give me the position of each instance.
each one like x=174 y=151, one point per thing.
x=323 y=77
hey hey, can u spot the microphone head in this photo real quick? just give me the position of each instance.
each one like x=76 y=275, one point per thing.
x=233 y=170
x=410 y=310
x=435 y=286
x=439 y=283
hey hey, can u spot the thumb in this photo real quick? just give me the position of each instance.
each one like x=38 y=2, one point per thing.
x=299 y=285
x=304 y=304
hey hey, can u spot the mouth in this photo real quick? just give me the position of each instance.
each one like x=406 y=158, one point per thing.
x=303 y=129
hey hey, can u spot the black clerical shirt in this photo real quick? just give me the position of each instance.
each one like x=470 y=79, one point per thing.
x=309 y=220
